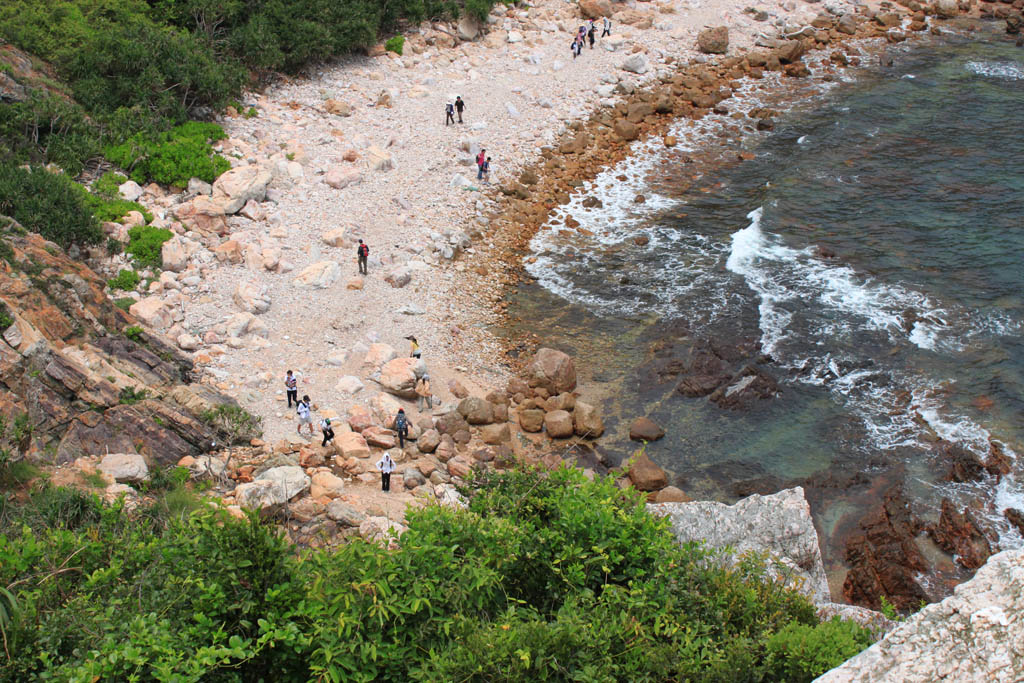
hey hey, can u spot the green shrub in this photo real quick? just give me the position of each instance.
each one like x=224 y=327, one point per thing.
x=124 y=303
x=178 y=591
x=235 y=425
x=45 y=128
x=134 y=333
x=48 y=203
x=130 y=396
x=106 y=203
x=802 y=652
x=174 y=157
x=145 y=243
x=395 y=45
x=5 y=317
x=126 y=280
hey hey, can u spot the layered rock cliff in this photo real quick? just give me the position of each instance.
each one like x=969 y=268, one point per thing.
x=78 y=376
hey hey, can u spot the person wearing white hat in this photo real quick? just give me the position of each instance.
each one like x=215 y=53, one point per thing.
x=386 y=466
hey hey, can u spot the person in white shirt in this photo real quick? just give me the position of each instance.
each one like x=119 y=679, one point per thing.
x=386 y=466
x=607 y=27
x=305 y=417
x=326 y=430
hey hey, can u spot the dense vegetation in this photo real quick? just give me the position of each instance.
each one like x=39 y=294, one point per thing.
x=542 y=578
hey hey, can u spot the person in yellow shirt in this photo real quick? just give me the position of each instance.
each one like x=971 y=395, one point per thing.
x=415 y=347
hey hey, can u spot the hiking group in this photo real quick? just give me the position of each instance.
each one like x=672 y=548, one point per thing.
x=399 y=423
x=587 y=33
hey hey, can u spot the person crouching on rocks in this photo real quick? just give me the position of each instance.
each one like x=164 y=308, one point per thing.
x=305 y=418
x=325 y=429
x=386 y=466
x=401 y=425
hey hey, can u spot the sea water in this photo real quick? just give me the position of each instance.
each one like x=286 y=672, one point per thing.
x=873 y=248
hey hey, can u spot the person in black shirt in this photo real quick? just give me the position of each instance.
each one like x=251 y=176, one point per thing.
x=459 y=106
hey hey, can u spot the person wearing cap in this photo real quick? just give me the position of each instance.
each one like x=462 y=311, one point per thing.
x=423 y=392
x=459 y=106
x=414 y=351
x=401 y=425
x=325 y=429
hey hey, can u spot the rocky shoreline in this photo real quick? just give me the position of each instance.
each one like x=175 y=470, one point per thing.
x=262 y=245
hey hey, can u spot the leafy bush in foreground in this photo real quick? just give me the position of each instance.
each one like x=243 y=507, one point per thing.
x=544 y=577
x=50 y=204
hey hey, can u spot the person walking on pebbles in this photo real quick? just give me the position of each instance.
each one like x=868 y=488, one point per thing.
x=401 y=425
x=327 y=431
x=386 y=466
x=449 y=114
x=362 y=253
x=459 y=106
x=480 y=159
x=291 y=388
x=607 y=27
x=423 y=393
x=305 y=417
x=591 y=32
x=485 y=171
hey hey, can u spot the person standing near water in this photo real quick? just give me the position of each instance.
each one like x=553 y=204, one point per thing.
x=386 y=466
x=362 y=253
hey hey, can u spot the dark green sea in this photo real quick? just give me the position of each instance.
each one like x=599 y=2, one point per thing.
x=872 y=251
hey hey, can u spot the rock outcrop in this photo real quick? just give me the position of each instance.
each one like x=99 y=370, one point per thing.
x=779 y=525
x=976 y=634
x=85 y=387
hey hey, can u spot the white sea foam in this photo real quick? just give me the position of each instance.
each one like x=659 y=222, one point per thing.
x=802 y=140
x=1009 y=71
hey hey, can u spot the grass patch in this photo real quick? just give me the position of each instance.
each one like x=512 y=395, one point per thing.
x=135 y=333
x=126 y=280
x=124 y=303
x=95 y=480
x=172 y=158
x=129 y=396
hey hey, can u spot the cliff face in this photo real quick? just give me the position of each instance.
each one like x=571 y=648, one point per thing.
x=71 y=382
x=976 y=634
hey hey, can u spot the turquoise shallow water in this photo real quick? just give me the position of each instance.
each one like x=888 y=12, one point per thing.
x=873 y=248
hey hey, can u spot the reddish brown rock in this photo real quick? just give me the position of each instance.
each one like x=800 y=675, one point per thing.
x=959 y=534
x=883 y=556
x=552 y=370
x=558 y=424
x=531 y=420
x=645 y=429
x=645 y=475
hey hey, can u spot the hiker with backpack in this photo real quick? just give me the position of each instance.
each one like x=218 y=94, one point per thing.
x=401 y=425
x=362 y=253
x=607 y=27
x=305 y=417
x=480 y=159
x=591 y=32
x=449 y=114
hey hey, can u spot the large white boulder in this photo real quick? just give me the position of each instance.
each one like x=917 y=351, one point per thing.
x=779 y=525
x=239 y=185
x=292 y=479
x=153 y=312
x=251 y=298
x=125 y=467
x=636 y=63
x=319 y=275
x=975 y=635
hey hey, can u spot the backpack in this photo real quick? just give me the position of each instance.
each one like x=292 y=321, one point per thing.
x=400 y=422
x=363 y=250
x=448 y=108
